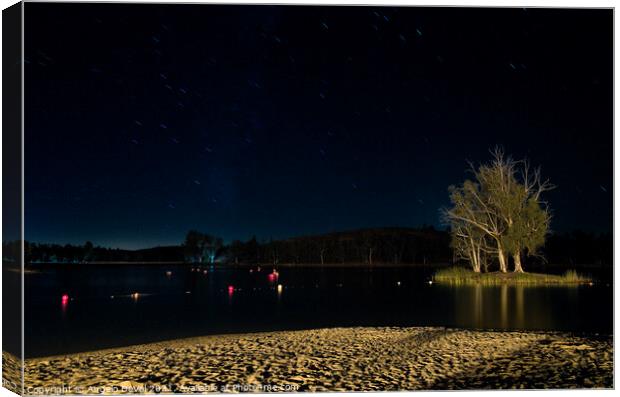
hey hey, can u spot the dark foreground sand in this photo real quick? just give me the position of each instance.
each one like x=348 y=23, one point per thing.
x=335 y=359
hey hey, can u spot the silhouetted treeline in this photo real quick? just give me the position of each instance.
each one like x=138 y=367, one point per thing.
x=11 y=257
x=55 y=253
x=368 y=246
x=579 y=248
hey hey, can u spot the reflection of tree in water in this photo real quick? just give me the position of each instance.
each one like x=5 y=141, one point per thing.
x=478 y=306
x=520 y=310
x=504 y=306
x=512 y=306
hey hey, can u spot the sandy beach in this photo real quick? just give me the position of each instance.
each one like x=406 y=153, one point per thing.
x=335 y=359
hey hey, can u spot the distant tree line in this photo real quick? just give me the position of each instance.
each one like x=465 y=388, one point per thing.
x=371 y=246
x=201 y=247
x=579 y=248
x=68 y=253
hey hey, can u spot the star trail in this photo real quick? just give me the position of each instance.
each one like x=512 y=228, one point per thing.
x=145 y=121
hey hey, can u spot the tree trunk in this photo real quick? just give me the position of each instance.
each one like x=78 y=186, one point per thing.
x=475 y=263
x=475 y=256
x=517 y=259
x=370 y=256
x=501 y=256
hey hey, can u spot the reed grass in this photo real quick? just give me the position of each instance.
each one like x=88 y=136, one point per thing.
x=461 y=275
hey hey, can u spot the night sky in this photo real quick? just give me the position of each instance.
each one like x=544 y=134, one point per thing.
x=145 y=121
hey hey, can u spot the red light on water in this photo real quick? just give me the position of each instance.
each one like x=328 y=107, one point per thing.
x=64 y=302
x=273 y=276
x=231 y=290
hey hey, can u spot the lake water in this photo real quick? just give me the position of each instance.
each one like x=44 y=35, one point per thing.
x=114 y=305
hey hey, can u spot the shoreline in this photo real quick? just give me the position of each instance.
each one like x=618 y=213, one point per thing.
x=244 y=265
x=336 y=359
x=432 y=265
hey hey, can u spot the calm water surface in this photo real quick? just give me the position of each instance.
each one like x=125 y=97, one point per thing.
x=108 y=306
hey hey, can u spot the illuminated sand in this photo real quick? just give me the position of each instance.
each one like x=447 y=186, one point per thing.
x=336 y=359
x=11 y=372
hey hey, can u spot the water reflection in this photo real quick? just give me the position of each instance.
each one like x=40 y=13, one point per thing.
x=235 y=299
x=478 y=306
x=504 y=305
x=511 y=307
x=520 y=317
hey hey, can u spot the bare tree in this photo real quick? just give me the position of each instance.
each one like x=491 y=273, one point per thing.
x=514 y=192
x=472 y=211
x=503 y=205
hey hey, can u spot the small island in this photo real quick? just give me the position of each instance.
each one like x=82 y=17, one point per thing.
x=497 y=219
x=460 y=275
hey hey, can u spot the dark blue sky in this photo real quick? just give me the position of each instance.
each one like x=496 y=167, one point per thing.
x=145 y=121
